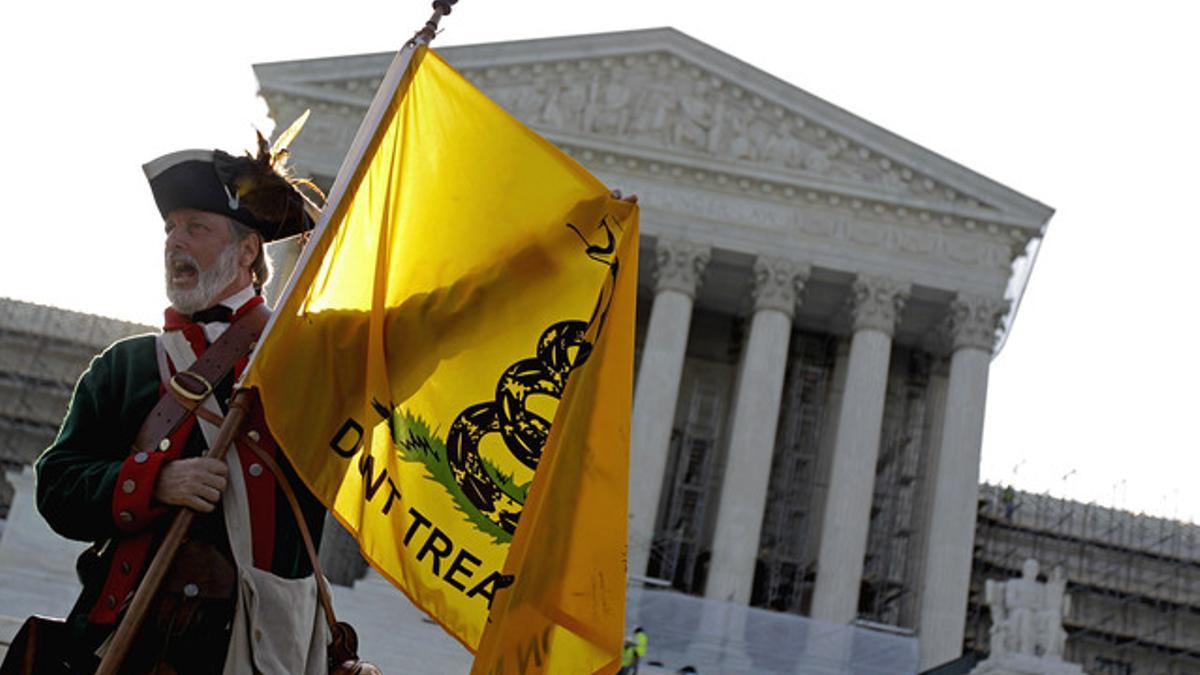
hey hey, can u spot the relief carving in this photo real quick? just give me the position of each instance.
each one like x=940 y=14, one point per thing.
x=656 y=100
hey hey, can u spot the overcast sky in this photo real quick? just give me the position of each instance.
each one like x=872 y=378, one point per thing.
x=1091 y=108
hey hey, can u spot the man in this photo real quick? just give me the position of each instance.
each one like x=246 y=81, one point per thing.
x=633 y=650
x=218 y=211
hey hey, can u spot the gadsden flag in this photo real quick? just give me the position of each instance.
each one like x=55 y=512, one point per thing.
x=451 y=374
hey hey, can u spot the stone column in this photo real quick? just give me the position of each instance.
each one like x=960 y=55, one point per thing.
x=876 y=303
x=679 y=269
x=971 y=326
x=777 y=284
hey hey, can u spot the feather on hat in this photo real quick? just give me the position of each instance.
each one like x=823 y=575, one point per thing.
x=259 y=191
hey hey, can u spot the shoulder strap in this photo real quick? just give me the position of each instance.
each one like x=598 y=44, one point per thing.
x=187 y=389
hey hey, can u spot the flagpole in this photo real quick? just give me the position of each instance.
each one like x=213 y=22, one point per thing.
x=122 y=639
x=388 y=90
x=244 y=399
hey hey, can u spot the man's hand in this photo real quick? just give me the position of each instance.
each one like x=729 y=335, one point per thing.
x=196 y=483
x=632 y=199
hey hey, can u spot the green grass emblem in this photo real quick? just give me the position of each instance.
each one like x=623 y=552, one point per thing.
x=414 y=442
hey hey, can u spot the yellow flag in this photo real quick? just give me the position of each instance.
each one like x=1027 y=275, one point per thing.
x=566 y=610
x=455 y=358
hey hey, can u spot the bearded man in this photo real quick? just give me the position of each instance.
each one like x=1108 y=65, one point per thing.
x=99 y=481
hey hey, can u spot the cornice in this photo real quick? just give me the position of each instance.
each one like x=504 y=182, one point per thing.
x=898 y=176
x=778 y=187
x=824 y=236
x=693 y=170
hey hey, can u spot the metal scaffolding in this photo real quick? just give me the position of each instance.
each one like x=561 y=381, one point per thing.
x=786 y=566
x=1134 y=579
x=680 y=550
x=890 y=567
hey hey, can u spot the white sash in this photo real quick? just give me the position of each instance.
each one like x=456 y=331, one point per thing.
x=278 y=626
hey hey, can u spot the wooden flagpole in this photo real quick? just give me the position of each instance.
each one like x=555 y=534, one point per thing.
x=245 y=399
x=122 y=640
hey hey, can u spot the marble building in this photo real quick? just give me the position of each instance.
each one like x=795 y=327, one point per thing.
x=819 y=303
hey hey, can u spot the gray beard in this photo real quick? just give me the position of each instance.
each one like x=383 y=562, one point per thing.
x=209 y=282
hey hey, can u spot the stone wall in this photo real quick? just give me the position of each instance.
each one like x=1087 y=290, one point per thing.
x=43 y=351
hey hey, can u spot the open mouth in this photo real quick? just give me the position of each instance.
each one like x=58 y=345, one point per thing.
x=183 y=273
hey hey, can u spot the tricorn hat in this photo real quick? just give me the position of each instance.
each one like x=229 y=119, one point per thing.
x=257 y=191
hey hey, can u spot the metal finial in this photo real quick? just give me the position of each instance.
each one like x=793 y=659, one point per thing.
x=429 y=31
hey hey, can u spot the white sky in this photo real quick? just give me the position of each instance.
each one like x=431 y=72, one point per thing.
x=1090 y=107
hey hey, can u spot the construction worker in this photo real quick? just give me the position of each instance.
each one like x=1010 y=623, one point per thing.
x=633 y=651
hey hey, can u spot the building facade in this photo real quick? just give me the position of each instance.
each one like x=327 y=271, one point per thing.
x=1133 y=580
x=43 y=350
x=819 y=300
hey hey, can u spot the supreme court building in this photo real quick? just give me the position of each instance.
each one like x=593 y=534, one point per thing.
x=819 y=301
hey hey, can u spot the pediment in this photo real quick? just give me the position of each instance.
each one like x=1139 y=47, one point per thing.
x=661 y=96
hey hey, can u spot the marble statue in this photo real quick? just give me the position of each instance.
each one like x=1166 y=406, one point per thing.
x=1027 y=634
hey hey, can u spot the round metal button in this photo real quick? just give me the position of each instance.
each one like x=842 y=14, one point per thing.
x=141 y=458
x=191 y=590
x=125 y=516
x=128 y=486
x=111 y=601
x=256 y=470
x=164 y=444
x=253 y=435
x=126 y=568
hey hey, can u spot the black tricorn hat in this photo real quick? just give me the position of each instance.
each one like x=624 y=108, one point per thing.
x=257 y=191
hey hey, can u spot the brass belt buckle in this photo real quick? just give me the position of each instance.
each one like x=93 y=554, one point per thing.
x=178 y=387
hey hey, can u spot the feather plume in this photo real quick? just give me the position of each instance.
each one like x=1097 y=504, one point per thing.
x=285 y=139
x=265 y=187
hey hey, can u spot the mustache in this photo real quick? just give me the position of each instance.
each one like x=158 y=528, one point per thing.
x=173 y=258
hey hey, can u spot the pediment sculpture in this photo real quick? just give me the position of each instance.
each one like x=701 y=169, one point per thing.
x=657 y=100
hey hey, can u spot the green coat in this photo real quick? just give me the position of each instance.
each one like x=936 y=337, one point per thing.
x=78 y=474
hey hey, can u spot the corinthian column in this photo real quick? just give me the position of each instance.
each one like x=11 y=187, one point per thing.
x=971 y=325
x=876 y=303
x=777 y=284
x=679 y=268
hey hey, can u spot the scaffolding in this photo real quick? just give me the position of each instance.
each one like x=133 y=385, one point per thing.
x=889 y=568
x=680 y=550
x=1134 y=579
x=786 y=566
